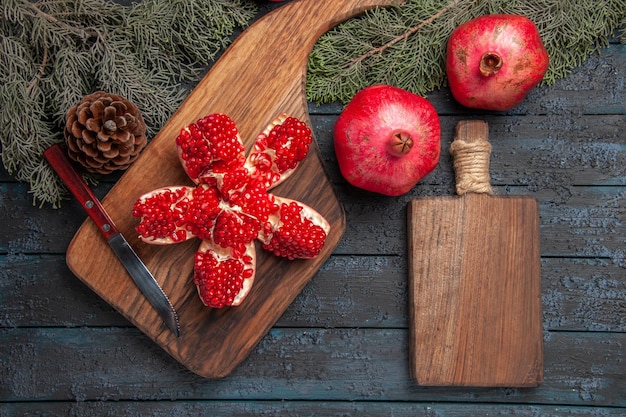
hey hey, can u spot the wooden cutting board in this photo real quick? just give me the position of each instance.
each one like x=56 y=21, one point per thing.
x=474 y=279
x=260 y=75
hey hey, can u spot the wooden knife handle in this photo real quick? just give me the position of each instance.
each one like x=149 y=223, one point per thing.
x=471 y=151
x=74 y=181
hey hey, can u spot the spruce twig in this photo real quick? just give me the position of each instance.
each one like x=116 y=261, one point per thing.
x=405 y=45
x=402 y=36
x=41 y=72
x=55 y=52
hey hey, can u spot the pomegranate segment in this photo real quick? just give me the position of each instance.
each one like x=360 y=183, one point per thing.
x=254 y=199
x=211 y=142
x=278 y=150
x=202 y=211
x=222 y=277
x=295 y=230
x=235 y=230
x=162 y=213
x=493 y=61
x=231 y=207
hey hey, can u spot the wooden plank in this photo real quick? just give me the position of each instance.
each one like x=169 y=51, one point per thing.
x=579 y=294
x=36 y=290
x=540 y=152
x=194 y=408
x=113 y=364
x=581 y=220
x=29 y=229
x=575 y=221
x=550 y=169
x=584 y=295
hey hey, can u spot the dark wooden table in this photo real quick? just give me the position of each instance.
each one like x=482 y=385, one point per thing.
x=341 y=348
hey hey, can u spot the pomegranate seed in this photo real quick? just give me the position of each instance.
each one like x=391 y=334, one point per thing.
x=296 y=236
x=218 y=282
x=202 y=211
x=290 y=141
x=235 y=230
x=231 y=205
x=280 y=150
x=160 y=214
x=212 y=139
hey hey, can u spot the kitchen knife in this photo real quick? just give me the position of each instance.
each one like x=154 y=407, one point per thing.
x=138 y=271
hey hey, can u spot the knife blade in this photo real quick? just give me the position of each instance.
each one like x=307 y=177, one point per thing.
x=138 y=271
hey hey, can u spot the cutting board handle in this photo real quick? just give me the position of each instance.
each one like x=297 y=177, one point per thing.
x=471 y=151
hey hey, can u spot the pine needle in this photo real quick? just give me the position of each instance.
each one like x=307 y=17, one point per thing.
x=405 y=45
x=55 y=52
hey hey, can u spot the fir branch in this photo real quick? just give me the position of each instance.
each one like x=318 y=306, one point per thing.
x=405 y=45
x=54 y=52
x=40 y=73
x=19 y=156
x=38 y=12
x=403 y=36
x=121 y=71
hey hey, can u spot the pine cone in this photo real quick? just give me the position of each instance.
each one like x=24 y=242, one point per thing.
x=104 y=132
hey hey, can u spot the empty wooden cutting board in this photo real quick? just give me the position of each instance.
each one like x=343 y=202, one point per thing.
x=474 y=279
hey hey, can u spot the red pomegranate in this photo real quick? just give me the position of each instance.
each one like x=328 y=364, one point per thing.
x=493 y=61
x=387 y=139
x=230 y=206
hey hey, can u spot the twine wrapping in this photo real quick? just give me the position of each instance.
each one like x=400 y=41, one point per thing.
x=471 y=166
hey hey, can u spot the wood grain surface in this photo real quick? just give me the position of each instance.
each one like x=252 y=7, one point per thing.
x=261 y=75
x=342 y=348
x=475 y=286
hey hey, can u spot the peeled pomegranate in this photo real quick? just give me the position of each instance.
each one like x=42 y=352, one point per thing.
x=387 y=139
x=230 y=206
x=493 y=61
